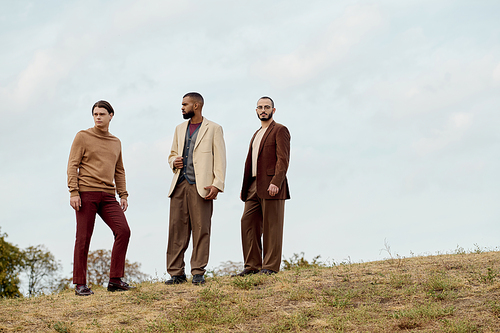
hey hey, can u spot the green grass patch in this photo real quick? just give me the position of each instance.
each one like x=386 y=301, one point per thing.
x=248 y=282
x=425 y=311
x=460 y=326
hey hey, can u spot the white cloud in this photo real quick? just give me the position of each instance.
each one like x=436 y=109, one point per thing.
x=453 y=131
x=332 y=45
x=137 y=15
x=41 y=76
x=496 y=73
x=447 y=80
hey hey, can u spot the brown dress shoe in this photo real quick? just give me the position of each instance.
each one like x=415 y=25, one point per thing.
x=246 y=272
x=83 y=290
x=122 y=286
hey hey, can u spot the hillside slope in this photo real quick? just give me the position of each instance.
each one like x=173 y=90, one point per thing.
x=444 y=293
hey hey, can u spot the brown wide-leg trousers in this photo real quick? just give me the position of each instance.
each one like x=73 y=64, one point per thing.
x=109 y=210
x=262 y=218
x=189 y=213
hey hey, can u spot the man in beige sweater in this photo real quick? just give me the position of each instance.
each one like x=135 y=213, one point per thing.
x=95 y=174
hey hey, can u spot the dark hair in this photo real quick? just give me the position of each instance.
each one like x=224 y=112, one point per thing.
x=269 y=98
x=196 y=96
x=105 y=105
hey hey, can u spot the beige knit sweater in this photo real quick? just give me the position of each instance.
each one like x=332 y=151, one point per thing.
x=95 y=164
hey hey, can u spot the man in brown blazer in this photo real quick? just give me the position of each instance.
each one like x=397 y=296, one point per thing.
x=264 y=191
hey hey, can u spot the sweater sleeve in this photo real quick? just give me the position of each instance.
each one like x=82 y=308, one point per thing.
x=75 y=158
x=121 y=187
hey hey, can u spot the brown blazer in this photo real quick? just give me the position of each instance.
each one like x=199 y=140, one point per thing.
x=272 y=163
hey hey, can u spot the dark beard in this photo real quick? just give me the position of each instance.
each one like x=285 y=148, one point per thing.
x=188 y=115
x=268 y=117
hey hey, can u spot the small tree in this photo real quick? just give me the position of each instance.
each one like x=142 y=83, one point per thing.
x=226 y=268
x=61 y=284
x=11 y=262
x=99 y=263
x=41 y=269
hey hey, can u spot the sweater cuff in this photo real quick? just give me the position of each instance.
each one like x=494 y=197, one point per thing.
x=75 y=193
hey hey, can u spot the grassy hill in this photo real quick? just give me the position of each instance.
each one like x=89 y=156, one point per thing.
x=444 y=293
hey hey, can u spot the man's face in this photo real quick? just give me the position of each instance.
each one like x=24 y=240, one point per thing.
x=102 y=118
x=264 y=109
x=187 y=108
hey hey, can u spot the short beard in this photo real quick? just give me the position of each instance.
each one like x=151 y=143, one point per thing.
x=268 y=117
x=188 y=115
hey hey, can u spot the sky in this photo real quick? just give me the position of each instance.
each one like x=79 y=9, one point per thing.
x=393 y=109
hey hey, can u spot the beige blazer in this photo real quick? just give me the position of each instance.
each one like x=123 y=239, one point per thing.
x=209 y=156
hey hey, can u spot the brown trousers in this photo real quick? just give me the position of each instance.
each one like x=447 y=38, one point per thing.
x=189 y=213
x=262 y=218
x=109 y=210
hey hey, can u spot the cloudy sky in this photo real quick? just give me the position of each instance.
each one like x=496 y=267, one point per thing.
x=393 y=108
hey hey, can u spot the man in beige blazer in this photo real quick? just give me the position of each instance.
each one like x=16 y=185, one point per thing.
x=198 y=160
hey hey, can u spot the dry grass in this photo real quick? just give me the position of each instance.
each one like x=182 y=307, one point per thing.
x=445 y=293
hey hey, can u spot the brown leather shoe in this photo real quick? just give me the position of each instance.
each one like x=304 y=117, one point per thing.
x=246 y=272
x=122 y=286
x=83 y=290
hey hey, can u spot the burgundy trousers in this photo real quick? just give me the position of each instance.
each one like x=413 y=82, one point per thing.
x=109 y=210
x=262 y=231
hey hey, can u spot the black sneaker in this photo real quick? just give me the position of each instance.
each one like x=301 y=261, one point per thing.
x=246 y=272
x=178 y=279
x=267 y=272
x=198 y=279
x=83 y=290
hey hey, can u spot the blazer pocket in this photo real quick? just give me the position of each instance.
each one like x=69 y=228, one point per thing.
x=270 y=172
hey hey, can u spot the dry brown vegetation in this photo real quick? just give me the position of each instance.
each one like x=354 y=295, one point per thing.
x=444 y=293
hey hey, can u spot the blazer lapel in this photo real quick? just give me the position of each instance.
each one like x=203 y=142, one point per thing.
x=253 y=138
x=182 y=136
x=203 y=129
x=266 y=134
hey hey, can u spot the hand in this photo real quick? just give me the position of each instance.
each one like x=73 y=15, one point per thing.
x=124 y=204
x=273 y=190
x=178 y=164
x=75 y=202
x=213 y=192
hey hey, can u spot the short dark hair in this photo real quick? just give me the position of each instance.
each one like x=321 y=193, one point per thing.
x=105 y=105
x=269 y=98
x=196 y=96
